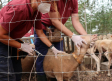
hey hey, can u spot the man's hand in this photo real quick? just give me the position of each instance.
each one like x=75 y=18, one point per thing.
x=56 y=51
x=77 y=40
x=27 y=48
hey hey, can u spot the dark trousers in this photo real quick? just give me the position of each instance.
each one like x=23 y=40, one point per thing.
x=42 y=48
x=16 y=65
x=8 y=65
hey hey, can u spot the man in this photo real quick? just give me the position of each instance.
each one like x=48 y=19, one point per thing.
x=56 y=19
x=16 y=19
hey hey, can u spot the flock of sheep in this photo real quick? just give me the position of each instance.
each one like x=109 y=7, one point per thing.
x=63 y=67
x=104 y=46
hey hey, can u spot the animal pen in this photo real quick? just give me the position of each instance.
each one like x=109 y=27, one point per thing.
x=96 y=18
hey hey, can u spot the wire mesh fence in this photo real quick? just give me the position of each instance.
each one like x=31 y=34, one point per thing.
x=95 y=16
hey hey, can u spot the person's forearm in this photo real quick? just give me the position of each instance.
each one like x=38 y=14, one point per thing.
x=77 y=25
x=43 y=37
x=5 y=40
x=79 y=28
x=55 y=21
x=62 y=28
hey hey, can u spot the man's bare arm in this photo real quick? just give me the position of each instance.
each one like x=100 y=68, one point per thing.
x=7 y=40
x=55 y=21
x=77 y=25
x=43 y=37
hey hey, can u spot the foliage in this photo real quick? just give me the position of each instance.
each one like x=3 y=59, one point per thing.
x=98 y=16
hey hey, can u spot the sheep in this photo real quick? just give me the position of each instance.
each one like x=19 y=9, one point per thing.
x=109 y=36
x=104 y=37
x=92 y=51
x=104 y=46
x=109 y=55
x=28 y=62
x=62 y=67
x=100 y=37
x=101 y=46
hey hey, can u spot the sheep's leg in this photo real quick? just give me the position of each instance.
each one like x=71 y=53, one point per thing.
x=59 y=77
x=67 y=80
x=109 y=63
x=97 y=60
x=100 y=52
x=100 y=55
x=82 y=67
x=91 y=51
x=48 y=79
x=94 y=65
x=106 y=54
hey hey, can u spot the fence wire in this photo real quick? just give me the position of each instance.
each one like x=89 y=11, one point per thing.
x=87 y=75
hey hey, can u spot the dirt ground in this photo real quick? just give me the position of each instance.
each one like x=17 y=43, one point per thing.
x=83 y=76
x=89 y=75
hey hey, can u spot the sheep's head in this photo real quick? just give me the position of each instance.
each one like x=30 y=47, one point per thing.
x=109 y=36
x=100 y=37
x=89 y=39
x=78 y=54
x=104 y=37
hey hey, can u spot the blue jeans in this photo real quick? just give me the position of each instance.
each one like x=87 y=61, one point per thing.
x=42 y=48
x=7 y=66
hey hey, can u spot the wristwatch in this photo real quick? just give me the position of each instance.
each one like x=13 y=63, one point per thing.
x=51 y=46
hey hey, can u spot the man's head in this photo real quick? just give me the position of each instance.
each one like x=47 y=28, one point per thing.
x=46 y=1
x=44 y=5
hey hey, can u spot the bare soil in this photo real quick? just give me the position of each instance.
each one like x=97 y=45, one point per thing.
x=83 y=76
x=79 y=76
